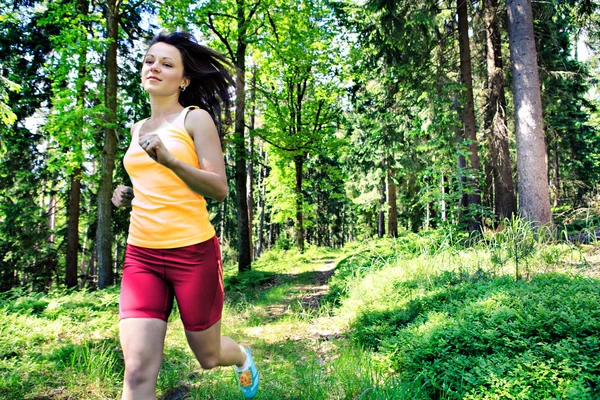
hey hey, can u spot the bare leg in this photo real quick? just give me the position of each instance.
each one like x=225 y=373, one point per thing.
x=214 y=350
x=142 y=341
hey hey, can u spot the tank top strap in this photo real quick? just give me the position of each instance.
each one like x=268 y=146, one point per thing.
x=184 y=114
x=138 y=127
x=180 y=120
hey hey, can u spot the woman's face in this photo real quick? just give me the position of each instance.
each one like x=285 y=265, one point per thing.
x=162 y=72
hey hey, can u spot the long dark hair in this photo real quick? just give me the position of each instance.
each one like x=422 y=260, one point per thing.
x=211 y=83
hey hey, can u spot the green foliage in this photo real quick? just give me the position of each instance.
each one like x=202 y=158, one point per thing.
x=572 y=139
x=73 y=334
x=451 y=325
x=423 y=316
x=7 y=116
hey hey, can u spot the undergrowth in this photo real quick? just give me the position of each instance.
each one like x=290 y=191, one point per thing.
x=438 y=315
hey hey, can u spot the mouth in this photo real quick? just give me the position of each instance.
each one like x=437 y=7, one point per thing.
x=153 y=78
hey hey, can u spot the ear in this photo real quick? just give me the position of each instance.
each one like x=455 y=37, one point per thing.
x=185 y=82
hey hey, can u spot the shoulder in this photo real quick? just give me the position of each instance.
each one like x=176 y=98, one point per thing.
x=197 y=117
x=136 y=126
x=198 y=122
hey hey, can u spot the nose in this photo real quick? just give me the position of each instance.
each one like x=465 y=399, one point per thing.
x=154 y=66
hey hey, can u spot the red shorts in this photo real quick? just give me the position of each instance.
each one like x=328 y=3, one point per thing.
x=192 y=274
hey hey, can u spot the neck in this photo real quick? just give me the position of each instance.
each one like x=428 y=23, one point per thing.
x=164 y=106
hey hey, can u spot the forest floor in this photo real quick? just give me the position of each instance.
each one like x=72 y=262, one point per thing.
x=339 y=324
x=293 y=338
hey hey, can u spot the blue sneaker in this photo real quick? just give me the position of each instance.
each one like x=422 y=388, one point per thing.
x=249 y=378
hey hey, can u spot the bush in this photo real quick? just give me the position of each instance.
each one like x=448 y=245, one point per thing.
x=494 y=338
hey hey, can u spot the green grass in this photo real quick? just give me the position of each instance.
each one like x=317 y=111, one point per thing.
x=429 y=316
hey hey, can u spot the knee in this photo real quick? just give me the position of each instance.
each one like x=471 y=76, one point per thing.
x=137 y=373
x=209 y=361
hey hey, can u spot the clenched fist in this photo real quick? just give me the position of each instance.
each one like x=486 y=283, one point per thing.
x=122 y=196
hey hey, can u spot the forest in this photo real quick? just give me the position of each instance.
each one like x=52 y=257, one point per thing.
x=419 y=155
x=351 y=120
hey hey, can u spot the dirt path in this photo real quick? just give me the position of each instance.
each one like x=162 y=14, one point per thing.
x=303 y=294
x=307 y=290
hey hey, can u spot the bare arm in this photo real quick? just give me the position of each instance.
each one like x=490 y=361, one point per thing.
x=210 y=180
x=123 y=195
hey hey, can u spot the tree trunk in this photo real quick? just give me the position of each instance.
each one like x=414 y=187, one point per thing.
x=250 y=193
x=75 y=181
x=468 y=116
x=261 y=226
x=505 y=202
x=382 y=199
x=249 y=175
x=556 y=167
x=104 y=231
x=73 y=229
x=52 y=217
x=532 y=163
x=244 y=247
x=392 y=203
x=82 y=267
x=299 y=163
x=91 y=274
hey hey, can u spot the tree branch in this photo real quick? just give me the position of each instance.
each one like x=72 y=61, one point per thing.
x=212 y=27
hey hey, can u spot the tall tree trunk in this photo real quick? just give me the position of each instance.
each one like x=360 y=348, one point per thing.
x=469 y=124
x=82 y=267
x=392 y=203
x=556 y=168
x=505 y=201
x=532 y=163
x=75 y=180
x=250 y=195
x=244 y=247
x=382 y=199
x=73 y=229
x=261 y=226
x=52 y=217
x=92 y=270
x=104 y=232
x=299 y=163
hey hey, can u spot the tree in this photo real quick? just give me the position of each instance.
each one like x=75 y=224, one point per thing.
x=532 y=165
x=496 y=132
x=468 y=115
x=104 y=232
x=301 y=91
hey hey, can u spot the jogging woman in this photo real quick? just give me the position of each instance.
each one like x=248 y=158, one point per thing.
x=175 y=161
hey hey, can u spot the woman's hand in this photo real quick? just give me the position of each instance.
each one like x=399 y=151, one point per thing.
x=156 y=149
x=122 y=196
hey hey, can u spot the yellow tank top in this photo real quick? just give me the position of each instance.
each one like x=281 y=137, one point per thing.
x=165 y=213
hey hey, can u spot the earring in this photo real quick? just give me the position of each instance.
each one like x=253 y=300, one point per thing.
x=183 y=88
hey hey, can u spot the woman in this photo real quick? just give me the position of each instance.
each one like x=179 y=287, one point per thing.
x=174 y=161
